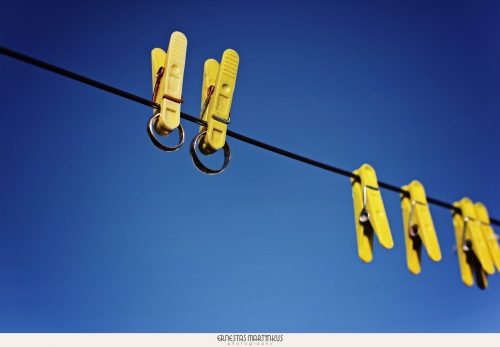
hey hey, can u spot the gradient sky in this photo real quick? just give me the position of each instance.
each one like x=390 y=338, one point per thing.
x=102 y=232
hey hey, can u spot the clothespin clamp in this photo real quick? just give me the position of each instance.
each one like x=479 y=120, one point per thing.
x=217 y=95
x=473 y=254
x=369 y=213
x=489 y=235
x=418 y=226
x=168 y=75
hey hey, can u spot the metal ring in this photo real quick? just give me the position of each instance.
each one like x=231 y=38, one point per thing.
x=197 y=162
x=157 y=143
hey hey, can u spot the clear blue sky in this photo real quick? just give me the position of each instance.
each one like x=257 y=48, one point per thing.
x=102 y=232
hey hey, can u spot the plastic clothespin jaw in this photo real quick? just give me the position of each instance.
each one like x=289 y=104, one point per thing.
x=217 y=94
x=489 y=235
x=418 y=226
x=168 y=75
x=369 y=213
x=472 y=251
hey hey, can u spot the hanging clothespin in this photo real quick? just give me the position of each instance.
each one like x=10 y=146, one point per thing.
x=168 y=76
x=473 y=254
x=418 y=226
x=369 y=213
x=210 y=71
x=217 y=95
x=489 y=235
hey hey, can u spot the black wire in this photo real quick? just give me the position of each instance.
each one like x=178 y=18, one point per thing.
x=233 y=134
x=76 y=77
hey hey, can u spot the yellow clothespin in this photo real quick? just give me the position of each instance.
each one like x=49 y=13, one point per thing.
x=489 y=235
x=210 y=71
x=217 y=95
x=418 y=226
x=168 y=76
x=473 y=254
x=369 y=213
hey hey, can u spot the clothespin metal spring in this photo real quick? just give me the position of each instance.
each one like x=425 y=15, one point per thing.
x=222 y=120
x=364 y=216
x=466 y=244
x=413 y=228
x=210 y=91
x=159 y=75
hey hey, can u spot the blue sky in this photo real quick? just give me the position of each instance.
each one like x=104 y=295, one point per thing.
x=102 y=232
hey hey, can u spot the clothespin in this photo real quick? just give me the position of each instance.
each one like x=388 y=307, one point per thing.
x=168 y=76
x=369 y=213
x=489 y=235
x=217 y=95
x=418 y=226
x=210 y=71
x=473 y=254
